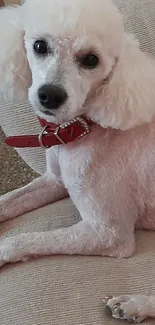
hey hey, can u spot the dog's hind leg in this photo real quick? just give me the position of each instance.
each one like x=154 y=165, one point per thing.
x=133 y=308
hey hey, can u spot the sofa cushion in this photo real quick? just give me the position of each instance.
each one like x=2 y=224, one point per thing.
x=64 y=290
x=139 y=20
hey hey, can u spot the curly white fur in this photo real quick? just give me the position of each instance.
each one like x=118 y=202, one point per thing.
x=79 y=26
x=15 y=77
x=110 y=173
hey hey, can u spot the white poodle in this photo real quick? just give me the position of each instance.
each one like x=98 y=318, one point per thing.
x=73 y=59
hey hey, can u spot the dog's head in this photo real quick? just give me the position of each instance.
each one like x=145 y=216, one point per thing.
x=72 y=47
x=65 y=56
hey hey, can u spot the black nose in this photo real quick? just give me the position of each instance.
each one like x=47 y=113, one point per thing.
x=52 y=97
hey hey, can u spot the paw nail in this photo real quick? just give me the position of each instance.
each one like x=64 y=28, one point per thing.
x=121 y=313
x=109 y=311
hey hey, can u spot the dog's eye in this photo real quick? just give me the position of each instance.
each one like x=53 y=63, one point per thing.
x=41 y=47
x=90 y=61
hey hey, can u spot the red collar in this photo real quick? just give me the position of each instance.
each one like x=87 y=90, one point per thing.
x=53 y=134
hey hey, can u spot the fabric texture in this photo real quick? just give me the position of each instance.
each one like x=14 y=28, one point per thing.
x=69 y=290
x=64 y=290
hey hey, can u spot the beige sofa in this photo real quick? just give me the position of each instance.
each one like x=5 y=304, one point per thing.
x=69 y=290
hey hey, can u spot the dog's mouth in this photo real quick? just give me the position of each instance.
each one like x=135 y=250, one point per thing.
x=47 y=112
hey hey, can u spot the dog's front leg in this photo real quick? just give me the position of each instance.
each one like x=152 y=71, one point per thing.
x=43 y=190
x=83 y=238
x=133 y=308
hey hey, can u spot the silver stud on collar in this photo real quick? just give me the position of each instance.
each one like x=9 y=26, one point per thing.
x=78 y=119
x=81 y=121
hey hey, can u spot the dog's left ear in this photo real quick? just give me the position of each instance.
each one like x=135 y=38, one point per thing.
x=15 y=76
x=128 y=99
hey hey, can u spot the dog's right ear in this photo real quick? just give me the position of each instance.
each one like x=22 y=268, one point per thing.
x=15 y=76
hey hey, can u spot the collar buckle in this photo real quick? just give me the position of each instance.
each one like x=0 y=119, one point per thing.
x=83 y=123
x=80 y=120
x=40 y=137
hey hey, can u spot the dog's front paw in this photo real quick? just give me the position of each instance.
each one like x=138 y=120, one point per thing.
x=9 y=251
x=6 y=251
x=134 y=308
